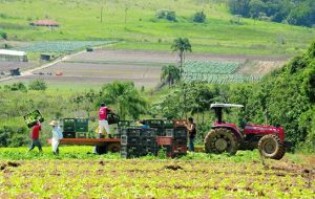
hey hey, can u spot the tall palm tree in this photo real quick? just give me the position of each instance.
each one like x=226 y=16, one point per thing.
x=182 y=45
x=170 y=74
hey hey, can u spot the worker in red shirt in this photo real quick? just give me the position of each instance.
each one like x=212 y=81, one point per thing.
x=35 y=137
x=102 y=122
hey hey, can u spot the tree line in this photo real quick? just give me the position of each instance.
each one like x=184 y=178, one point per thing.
x=295 y=12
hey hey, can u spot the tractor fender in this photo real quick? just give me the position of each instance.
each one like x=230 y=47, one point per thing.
x=235 y=131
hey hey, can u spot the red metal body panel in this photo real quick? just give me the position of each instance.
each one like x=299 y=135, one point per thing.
x=253 y=129
x=264 y=130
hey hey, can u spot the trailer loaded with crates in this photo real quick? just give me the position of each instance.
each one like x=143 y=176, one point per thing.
x=130 y=141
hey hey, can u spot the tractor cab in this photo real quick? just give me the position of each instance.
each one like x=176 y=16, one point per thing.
x=218 y=111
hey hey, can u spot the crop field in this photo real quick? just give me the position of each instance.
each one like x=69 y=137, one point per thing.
x=61 y=46
x=101 y=66
x=198 y=175
x=215 y=72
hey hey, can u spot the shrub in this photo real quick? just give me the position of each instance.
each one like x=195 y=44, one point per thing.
x=166 y=14
x=3 y=35
x=38 y=84
x=199 y=17
x=16 y=87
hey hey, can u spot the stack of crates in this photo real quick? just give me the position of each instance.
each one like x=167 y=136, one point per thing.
x=136 y=142
x=69 y=127
x=131 y=145
x=75 y=127
x=157 y=124
x=149 y=142
x=179 y=144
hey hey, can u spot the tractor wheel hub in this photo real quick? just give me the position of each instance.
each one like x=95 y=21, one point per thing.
x=270 y=147
x=221 y=144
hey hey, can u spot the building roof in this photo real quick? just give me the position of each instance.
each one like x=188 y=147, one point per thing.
x=44 y=22
x=12 y=52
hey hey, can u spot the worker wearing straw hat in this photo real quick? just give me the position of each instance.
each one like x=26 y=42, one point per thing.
x=56 y=136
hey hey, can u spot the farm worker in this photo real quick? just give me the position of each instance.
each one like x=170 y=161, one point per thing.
x=56 y=136
x=35 y=136
x=102 y=123
x=191 y=127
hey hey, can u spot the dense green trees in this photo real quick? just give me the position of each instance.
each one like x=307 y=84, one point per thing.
x=296 y=12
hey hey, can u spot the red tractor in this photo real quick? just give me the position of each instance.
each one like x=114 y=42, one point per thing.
x=228 y=137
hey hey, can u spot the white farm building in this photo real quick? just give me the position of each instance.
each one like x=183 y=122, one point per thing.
x=12 y=55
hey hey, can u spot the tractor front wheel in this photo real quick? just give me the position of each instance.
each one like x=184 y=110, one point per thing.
x=270 y=146
x=221 y=140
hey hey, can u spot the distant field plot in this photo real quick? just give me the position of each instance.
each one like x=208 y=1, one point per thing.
x=76 y=74
x=211 y=67
x=61 y=46
x=215 y=72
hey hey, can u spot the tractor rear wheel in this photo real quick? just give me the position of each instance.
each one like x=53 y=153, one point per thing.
x=270 y=146
x=221 y=140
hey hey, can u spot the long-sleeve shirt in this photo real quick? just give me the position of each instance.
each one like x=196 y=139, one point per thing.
x=57 y=133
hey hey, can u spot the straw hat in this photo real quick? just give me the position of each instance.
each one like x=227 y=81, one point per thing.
x=53 y=123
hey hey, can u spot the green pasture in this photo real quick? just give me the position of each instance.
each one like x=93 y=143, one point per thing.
x=136 y=24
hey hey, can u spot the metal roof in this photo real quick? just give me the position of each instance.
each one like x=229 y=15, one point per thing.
x=12 y=52
x=223 y=105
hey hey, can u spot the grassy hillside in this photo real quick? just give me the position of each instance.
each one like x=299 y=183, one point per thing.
x=135 y=22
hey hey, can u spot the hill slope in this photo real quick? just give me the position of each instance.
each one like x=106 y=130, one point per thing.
x=136 y=23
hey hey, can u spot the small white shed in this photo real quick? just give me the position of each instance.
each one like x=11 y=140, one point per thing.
x=13 y=55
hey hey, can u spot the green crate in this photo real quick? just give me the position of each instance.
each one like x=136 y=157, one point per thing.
x=32 y=117
x=81 y=125
x=81 y=135
x=69 y=124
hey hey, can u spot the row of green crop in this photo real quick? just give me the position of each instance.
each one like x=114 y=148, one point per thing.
x=210 y=67
x=219 y=78
x=61 y=46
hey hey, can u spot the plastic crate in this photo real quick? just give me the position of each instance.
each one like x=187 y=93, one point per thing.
x=154 y=123
x=130 y=140
x=69 y=124
x=132 y=131
x=164 y=140
x=168 y=124
x=81 y=135
x=68 y=134
x=180 y=132
x=81 y=125
x=32 y=117
x=149 y=141
x=149 y=132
